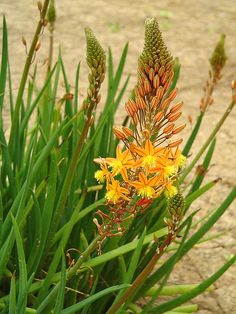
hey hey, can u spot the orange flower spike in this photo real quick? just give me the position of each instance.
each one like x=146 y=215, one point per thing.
x=115 y=192
x=121 y=163
x=145 y=187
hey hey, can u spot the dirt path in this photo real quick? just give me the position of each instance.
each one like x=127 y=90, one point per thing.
x=190 y=29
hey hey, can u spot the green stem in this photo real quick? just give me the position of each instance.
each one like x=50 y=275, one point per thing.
x=28 y=62
x=172 y=290
x=71 y=172
x=133 y=289
x=70 y=273
x=193 y=135
x=208 y=141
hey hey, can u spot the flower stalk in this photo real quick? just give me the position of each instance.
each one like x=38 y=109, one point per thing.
x=148 y=162
x=15 y=122
x=211 y=136
x=96 y=63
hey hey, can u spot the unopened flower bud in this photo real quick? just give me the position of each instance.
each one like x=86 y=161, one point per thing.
x=40 y=6
x=173 y=116
x=175 y=143
x=168 y=128
x=218 y=57
x=159 y=116
x=160 y=93
x=119 y=133
x=24 y=41
x=37 y=46
x=176 y=204
x=173 y=94
x=156 y=81
x=51 y=14
x=127 y=131
x=176 y=107
x=161 y=71
x=179 y=128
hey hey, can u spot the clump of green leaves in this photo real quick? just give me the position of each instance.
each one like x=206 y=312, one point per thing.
x=48 y=198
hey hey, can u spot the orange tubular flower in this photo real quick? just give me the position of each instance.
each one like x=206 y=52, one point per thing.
x=121 y=163
x=148 y=188
x=149 y=155
x=115 y=192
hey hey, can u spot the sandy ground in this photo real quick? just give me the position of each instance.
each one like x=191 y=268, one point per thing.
x=190 y=28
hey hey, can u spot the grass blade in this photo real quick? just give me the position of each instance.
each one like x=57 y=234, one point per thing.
x=12 y=296
x=4 y=62
x=159 y=273
x=22 y=294
x=93 y=298
x=61 y=293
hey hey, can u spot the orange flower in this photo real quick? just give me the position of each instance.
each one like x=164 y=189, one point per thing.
x=146 y=187
x=179 y=159
x=149 y=155
x=166 y=166
x=115 y=192
x=120 y=164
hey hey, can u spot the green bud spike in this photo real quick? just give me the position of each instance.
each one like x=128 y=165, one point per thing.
x=96 y=57
x=155 y=51
x=176 y=204
x=218 y=57
x=51 y=14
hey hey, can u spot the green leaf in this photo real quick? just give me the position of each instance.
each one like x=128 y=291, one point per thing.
x=135 y=258
x=3 y=74
x=160 y=272
x=198 y=193
x=170 y=268
x=89 y=300
x=208 y=141
x=198 y=181
x=133 y=263
x=29 y=111
x=193 y=135
x=123 y=249
x=12 y=296
x=22 y=294
x=61 y=293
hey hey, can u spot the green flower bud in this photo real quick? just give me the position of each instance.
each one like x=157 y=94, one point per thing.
x=51 y=14
x=96 y=57
x=155 y=51
x=218 y=57
x=176 y=205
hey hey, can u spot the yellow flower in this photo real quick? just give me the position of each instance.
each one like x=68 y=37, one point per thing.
x=170 y=190
x=169 y=171
x=180 y=159
x=149 y=155
x=145 y=186
x=100 y=175
x=121 y=163
x=115 y=192
x=165 y=169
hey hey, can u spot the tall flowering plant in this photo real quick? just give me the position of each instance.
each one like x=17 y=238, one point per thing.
x=53 y=214
x=148 y=162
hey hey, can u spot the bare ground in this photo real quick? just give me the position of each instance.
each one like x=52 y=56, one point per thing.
x=190 y=28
